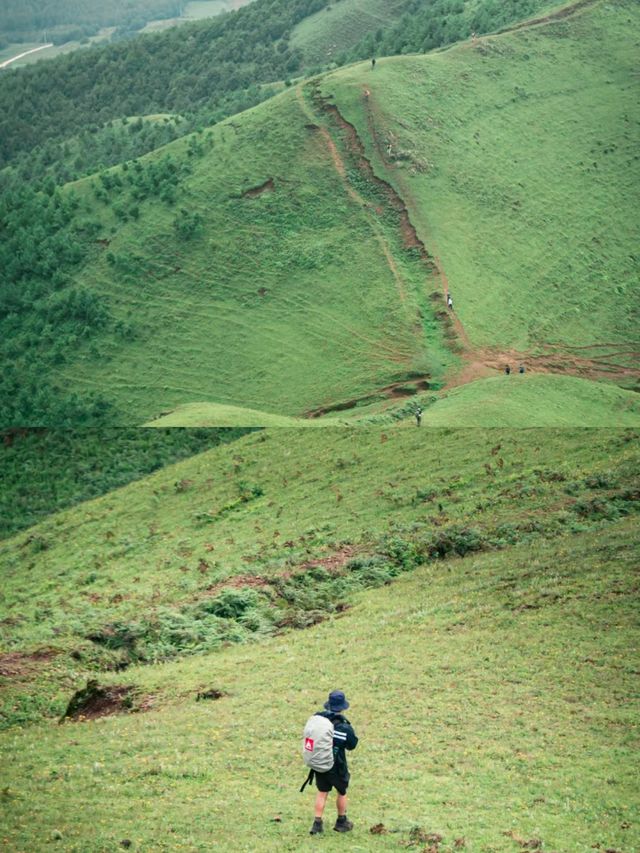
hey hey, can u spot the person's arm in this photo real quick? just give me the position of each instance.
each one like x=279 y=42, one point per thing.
x=344 y=736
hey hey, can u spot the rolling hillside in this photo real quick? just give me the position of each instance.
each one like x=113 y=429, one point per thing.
x=515 y=155
x=260 y=297
x=270 y=283
x=504 y=645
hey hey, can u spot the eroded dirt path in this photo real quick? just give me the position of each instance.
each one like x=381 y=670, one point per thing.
x=355 y=196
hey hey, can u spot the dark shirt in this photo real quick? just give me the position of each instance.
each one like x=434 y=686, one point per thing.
x=344 y=738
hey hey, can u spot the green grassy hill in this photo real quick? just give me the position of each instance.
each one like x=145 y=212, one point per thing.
x=287 y=278
x=520 y=401
x=324 y=36
x=44 y=471
x=293 y=260
x=503 y=646
x=515 y=156
x=269 y=283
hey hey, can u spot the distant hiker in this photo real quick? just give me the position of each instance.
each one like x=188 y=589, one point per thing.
x=507 y=370
x=449 y=301
x=373 y=63
x=326 y=736
x=521 y=368
x=418 y=414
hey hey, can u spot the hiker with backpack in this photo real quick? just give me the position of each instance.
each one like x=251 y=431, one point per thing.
x=327 y=734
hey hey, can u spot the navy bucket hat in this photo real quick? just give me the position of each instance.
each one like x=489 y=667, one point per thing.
x=337 y=701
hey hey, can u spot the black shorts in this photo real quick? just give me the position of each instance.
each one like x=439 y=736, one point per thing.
x=326 y=781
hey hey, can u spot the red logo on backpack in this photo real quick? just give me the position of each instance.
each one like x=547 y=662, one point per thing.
x=308 y=744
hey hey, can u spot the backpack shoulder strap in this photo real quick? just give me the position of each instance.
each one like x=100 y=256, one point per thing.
x=308 y=780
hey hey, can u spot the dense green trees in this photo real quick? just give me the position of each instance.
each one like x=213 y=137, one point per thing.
x=427 y=24
x=24 y=20
x=42 y=313
x=208 y=69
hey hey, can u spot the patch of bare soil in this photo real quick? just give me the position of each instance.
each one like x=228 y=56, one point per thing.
x=96 y=700
x=267 y=186
x=212 y=693
x=396 y=390
x=333 y=563
x=21 y=664
x=237 y=582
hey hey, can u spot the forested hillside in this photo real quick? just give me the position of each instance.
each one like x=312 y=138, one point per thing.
x=205 y=68
x=23 y=20
x=205 y=71
x=324 y=228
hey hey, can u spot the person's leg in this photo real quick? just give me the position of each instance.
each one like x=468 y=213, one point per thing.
x=341 y=804
x=343 y=824
x=321 y=801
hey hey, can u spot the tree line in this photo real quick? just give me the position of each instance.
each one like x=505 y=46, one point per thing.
x=428 y=24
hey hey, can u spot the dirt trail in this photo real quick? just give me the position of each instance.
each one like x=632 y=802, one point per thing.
x=26 y=53
x=341 y=169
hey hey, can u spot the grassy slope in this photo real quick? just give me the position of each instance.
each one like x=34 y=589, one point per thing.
x=44 y=471
x=494 y=697
x=533 y=400
x=330 y=325
x=200 y=414
x=517 y=162
x=165 y=539
x=324 y=36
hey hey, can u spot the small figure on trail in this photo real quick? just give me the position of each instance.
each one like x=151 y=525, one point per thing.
x=373 y=63
x=521 y=369
x=326 y=736
x=449 y=301
x=507 y=370
x=418 y=414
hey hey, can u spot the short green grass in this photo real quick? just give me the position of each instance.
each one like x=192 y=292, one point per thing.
x=270 y=502
x=203 y=414
x=516 y=157
x=535 y=401
x=283 y=302
x=494 y=696
x=532 y=400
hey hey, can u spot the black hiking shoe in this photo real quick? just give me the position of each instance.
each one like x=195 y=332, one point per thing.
x=343 y=824
x=317 y=827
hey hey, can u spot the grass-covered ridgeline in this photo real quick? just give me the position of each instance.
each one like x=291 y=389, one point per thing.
x=516 y=156
x=44 y=471
x=494 y=692
x=516 y=401
x=207 y=71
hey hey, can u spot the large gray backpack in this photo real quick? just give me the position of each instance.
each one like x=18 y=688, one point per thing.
x=317 y=744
